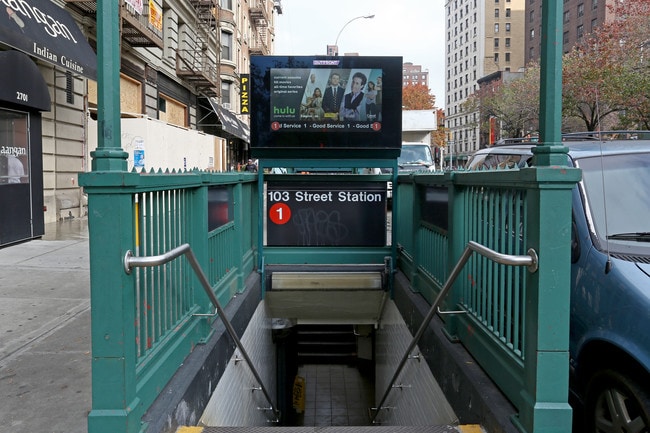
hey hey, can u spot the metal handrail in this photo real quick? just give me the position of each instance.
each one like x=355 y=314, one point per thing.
x=131 y=261
x=530 y=261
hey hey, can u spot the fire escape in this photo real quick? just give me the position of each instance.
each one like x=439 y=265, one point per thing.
x=139 y=28
x=259 y=19
x=195 y=61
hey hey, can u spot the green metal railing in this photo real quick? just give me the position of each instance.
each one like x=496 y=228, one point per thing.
x=514 y=323
x=529 y=261
x=131 y=261
x=147 y=321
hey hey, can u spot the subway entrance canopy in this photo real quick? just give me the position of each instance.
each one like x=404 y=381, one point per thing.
x=43 y=30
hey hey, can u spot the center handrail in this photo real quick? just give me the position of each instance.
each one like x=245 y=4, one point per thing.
x=530 y=261
x=131 y=261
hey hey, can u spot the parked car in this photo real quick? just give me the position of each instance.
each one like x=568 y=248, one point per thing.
x=610 y=274
x=413 y=157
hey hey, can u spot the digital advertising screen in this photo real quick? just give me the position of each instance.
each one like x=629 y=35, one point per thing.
x=326 y=107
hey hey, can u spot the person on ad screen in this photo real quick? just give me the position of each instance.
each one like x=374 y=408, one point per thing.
x=371 y=101
x=309 y=88
x=352 y=100
x=333 y=95
x=378 y=88
x=314 y=106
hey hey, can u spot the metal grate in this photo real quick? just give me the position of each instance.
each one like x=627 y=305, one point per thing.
x=336 y=429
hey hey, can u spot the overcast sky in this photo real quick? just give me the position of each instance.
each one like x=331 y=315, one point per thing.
x=412 y=29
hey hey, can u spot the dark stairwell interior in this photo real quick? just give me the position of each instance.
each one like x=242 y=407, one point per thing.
x=326 y=382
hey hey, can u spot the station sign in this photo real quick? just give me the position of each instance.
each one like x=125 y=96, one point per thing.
x=326 y=214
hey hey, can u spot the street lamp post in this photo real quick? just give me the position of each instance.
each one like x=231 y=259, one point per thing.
x=333 y=50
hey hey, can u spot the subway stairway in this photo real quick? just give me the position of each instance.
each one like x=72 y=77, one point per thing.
x=333 y=357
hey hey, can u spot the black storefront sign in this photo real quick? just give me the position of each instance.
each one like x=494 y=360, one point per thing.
x=326 y=214
x=230 y=123
x=43 y=30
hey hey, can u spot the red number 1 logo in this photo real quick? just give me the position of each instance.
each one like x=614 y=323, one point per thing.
x=280 y=213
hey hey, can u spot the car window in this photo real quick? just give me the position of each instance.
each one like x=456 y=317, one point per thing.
x=412 y=154
x=487 y=161
x=617 y=191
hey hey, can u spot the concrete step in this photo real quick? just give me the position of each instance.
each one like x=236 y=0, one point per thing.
x=323 y=344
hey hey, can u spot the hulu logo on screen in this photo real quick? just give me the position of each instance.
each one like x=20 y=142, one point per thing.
x=284 y=111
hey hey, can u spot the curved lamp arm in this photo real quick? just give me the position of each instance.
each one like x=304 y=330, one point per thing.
x=336 y=43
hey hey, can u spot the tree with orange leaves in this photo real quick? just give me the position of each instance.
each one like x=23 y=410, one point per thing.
x=417 y=97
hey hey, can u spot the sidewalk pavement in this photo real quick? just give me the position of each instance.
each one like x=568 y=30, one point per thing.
x=45 y=359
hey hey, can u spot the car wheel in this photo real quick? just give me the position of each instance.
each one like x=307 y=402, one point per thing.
x=616 y=404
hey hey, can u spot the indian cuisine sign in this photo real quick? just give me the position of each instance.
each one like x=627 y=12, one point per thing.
x=43 y=30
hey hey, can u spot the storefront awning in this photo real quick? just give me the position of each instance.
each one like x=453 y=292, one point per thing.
x=230 y=123
x=24 y=84
x=45 y=31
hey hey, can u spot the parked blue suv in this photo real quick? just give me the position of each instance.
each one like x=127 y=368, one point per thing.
x=610 y=275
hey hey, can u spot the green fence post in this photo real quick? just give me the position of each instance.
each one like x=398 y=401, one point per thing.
x=546 y=352
x=114 y=399
x=112 y=224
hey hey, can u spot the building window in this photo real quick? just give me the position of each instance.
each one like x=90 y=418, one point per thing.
x=594 y=23
x=531 y=16
x=496 y=42
x=225 y=93
x=532 y=34
x=508 y=12
x=226 y=46
x=507 y=42
x=580 y=31
x=507 y=27
x=496 y=13
x=226 y=4
x=565 y=38
x=594 y=4
x=496 y=28
x=567 y=16
x=581 y=9
x=496 y=58
x=172 y=111
x=507 y=57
